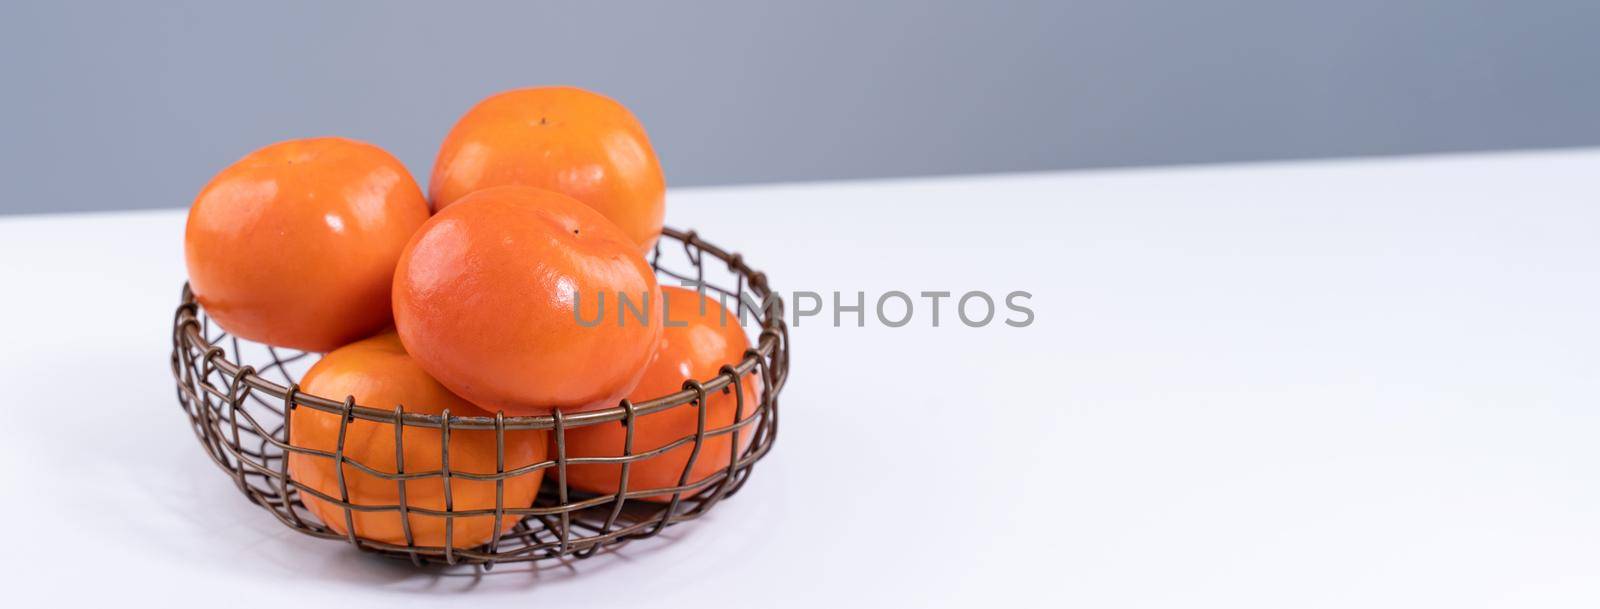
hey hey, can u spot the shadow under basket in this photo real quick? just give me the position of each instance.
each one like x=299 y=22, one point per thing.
x=237 y=394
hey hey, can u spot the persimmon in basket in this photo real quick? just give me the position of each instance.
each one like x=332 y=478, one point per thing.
x=379 y=374
x=295 y=244
x=576 y=142
x=709 y=338
x=493 y=297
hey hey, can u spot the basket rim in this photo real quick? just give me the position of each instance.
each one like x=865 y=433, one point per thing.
x=773 y=332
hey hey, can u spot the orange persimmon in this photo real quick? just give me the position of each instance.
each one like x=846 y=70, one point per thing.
x=709 y=338
x=576 y=142
x=295 y=244
x=487 y=298
x=378 y=373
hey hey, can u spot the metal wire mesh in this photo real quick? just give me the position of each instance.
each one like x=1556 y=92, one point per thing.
x=239 y=395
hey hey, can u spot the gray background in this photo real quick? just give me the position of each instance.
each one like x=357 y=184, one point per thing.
x=134 y=105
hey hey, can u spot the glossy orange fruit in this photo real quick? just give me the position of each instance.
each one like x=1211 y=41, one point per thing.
x=295 y=244
x=569 y=140
x=379 y=374
x=509 y=297
x=709 y=339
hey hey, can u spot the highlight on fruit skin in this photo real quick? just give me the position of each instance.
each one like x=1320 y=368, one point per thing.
x=378 y=373
x=709 y=338
x=295 y=244
x=573 y=141
x=489 y=294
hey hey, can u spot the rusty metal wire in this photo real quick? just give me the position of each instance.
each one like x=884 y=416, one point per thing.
x=238 y=396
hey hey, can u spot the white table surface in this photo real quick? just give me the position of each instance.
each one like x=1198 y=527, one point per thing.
x=1324 y=384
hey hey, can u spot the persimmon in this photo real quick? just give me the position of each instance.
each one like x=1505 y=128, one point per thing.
x=295 y=244
x=495 y=294
x=566 y=139
x=378 y=373
x=709 y=338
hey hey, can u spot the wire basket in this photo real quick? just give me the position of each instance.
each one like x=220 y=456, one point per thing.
x=238 y=394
